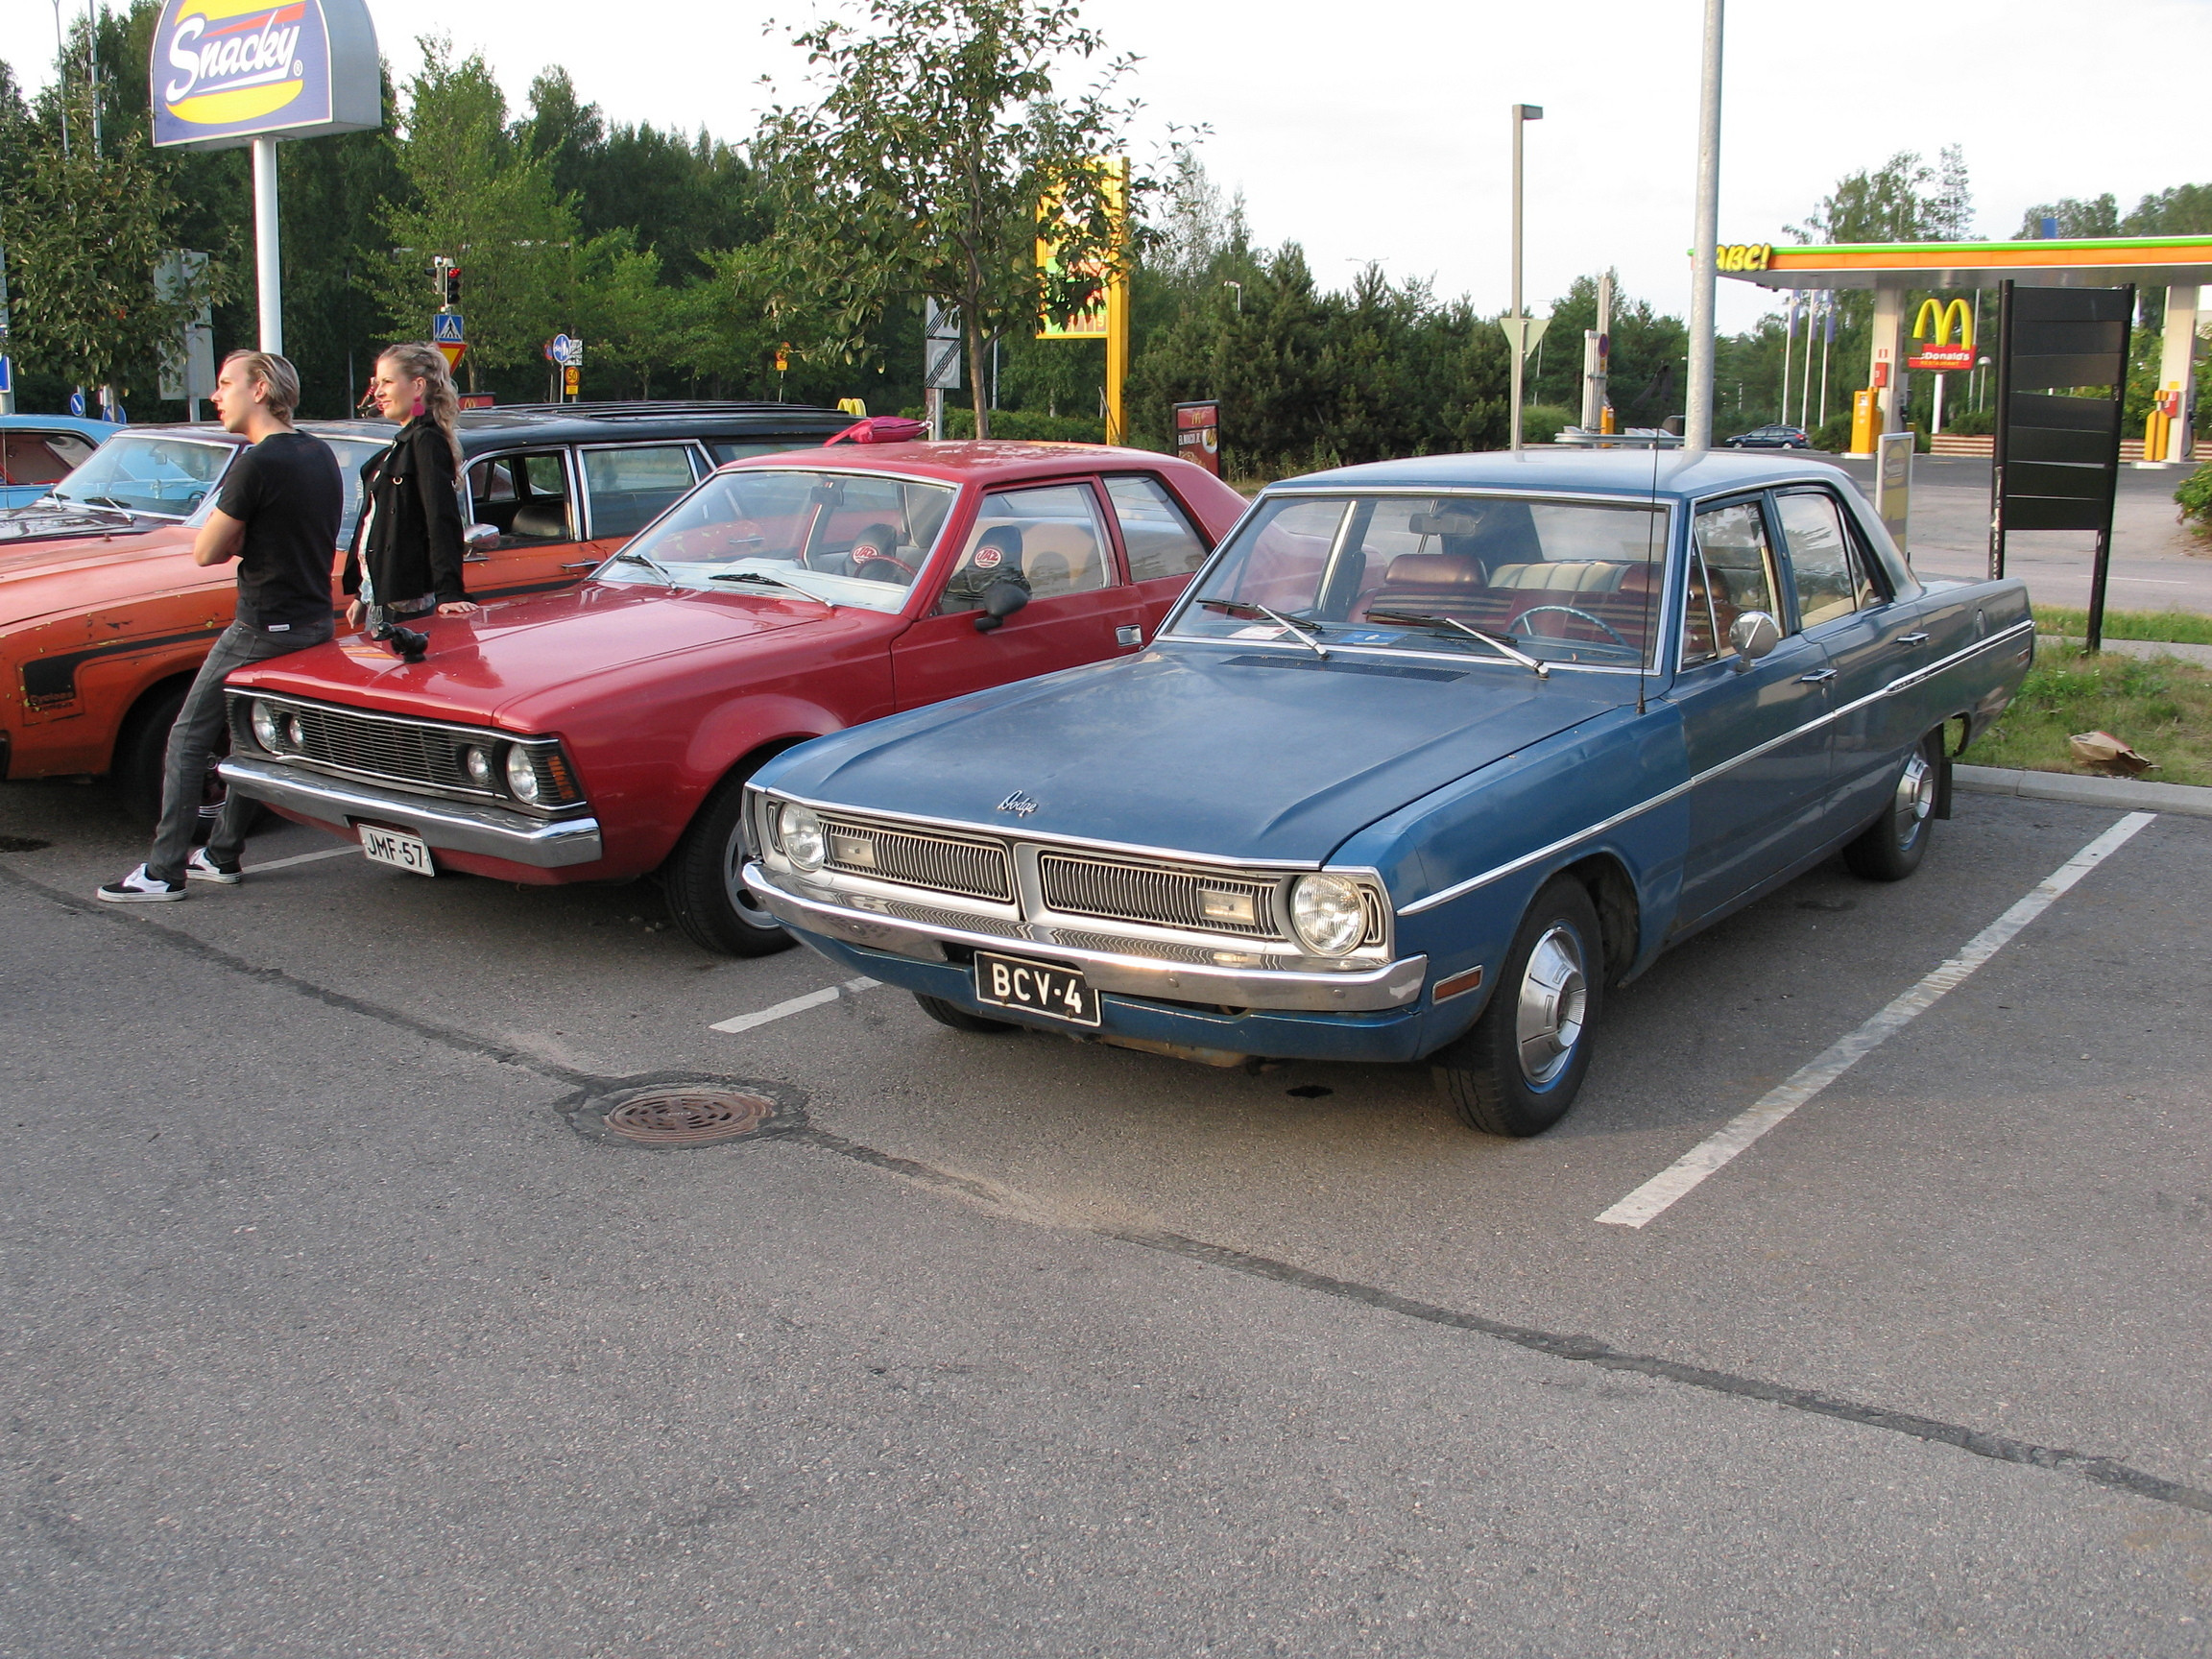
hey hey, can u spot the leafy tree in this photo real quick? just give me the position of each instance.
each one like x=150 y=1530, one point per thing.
x=619 y=307
x=1894 y=202
x=2097 y=217
x=476 y=196
x=1647 y=362
x=682 y=197
x=83 y=232
x=921 y=170
x=2184 y=210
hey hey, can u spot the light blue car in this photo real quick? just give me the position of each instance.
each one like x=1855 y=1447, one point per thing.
x=37 y=452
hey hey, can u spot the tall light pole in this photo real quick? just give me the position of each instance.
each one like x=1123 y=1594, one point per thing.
x=1704 y=276
x=1516 y=321
x=61 y=74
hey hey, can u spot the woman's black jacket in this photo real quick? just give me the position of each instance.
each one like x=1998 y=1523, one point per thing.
x=413 y=534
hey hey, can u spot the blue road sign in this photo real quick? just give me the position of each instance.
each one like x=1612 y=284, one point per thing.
x=77 y=402
x=445 y=329
x=6 y=375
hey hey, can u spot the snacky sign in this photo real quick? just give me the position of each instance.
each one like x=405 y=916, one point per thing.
x=225 y=72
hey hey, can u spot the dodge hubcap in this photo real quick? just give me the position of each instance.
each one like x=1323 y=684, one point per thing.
x=1916 y=798
x=1553 y=995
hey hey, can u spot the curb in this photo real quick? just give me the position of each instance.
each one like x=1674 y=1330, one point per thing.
x=2186 y=799
x=2148 y=649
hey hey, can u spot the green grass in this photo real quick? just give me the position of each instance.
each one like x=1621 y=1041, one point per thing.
x=2176 y=627
x=2163 y=708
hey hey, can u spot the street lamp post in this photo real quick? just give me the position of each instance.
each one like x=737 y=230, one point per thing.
x=1704 y=278
x=1517 y=321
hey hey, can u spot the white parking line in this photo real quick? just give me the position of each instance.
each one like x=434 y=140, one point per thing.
x=797 y=1005
x=258 y=869
x=1651 y=1199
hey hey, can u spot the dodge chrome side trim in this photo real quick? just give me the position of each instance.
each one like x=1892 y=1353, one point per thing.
x=1900 y=683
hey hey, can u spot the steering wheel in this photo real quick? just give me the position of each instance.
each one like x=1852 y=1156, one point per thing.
x=862 y=561
x=1572 y=610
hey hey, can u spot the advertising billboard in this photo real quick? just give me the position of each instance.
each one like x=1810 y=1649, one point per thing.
x=225 y=72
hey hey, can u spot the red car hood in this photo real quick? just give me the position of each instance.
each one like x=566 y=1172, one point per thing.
x=506 y=654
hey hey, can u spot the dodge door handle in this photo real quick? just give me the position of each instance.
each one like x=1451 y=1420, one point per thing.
x=1912 y=640
x=1819 y=677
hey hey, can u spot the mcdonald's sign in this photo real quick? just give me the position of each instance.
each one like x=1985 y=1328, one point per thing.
x=1941 y=354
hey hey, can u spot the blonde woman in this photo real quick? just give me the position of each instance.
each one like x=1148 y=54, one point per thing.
x=405 y=560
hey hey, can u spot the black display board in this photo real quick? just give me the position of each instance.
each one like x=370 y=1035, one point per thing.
x=2057 y=458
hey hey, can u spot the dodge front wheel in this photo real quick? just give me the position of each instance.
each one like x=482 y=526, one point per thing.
x=1519 y=1069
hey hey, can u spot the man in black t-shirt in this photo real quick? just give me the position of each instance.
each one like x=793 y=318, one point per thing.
x=278 y=515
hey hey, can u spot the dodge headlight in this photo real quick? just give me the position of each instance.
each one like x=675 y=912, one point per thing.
x=267 y=730
x=1328 y=913
x=799 y=832
x=521 y=773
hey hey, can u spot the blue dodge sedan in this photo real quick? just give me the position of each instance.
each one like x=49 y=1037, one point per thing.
x=1429 y=756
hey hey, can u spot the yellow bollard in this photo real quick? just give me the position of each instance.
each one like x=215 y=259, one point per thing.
x=2156 y=427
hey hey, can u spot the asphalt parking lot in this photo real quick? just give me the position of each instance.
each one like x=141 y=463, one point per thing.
x=334 y=1329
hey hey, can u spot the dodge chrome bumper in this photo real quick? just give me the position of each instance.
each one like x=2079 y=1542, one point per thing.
x=1355 y=989
x=452 y=826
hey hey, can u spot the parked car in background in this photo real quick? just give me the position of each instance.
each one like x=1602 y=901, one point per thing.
x=37 y=452
x=1431 y=755
x=103 y=618
x=608 y=732
x=1773 y=436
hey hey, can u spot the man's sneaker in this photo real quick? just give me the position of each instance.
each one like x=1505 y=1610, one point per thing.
x=202 y=868
x=141 y=888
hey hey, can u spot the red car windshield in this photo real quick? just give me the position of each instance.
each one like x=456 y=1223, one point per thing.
x=851 y=539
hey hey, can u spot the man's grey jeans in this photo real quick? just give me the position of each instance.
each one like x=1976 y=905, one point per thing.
x=192 y=741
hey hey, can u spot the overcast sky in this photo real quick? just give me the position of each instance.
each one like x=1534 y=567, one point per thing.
x=1379 y=131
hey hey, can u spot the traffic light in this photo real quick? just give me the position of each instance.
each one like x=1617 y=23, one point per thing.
x=453 y=298
x=446 y=282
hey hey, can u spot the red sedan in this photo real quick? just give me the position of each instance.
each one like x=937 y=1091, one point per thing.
x=607 y=731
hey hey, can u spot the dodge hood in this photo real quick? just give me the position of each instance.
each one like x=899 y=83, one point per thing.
x=1256 y=755
x=45 y=520
x=107 y=565
x=554 y=643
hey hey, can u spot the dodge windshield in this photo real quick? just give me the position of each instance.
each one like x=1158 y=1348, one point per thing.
x=1502 y=578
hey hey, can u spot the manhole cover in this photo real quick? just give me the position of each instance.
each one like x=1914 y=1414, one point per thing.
x=689 y=1116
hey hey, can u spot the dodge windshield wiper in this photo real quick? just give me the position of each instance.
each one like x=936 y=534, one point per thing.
x=1234 y=606
x=629 y=557
x=767 y=581
x=1421 y=620
x=89 y=500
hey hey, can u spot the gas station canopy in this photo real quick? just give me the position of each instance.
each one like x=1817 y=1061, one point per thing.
x=2181 y=265
x=2104 y=262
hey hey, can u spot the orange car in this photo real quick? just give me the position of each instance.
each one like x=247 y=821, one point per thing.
x=103 y=618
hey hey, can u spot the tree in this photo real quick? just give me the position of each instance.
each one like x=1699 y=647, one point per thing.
x=922 y=169
x=83 y=232
x=1893 y=203
x=2099 y=217
x=477 y=197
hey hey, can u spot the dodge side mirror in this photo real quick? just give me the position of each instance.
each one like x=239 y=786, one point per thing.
x=1000 y=600
x=478 y=537
x=1753 y=636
